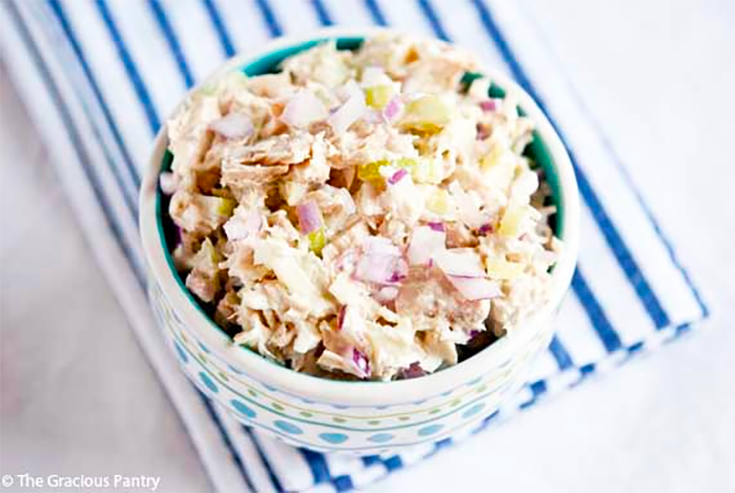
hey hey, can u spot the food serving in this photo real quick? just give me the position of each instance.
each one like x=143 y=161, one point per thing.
x=365 y=214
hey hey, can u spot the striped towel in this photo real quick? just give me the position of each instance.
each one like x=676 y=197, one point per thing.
x=99 y=78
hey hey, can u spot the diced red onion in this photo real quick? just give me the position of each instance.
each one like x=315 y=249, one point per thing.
x=352 y=110
x=396 y=278
x=309 y=217
x=397 y=176
x=400 y=271
x=425 y=243
x=459 y=263
x=402 y=268
x=475 y=289
x=233 y=126
x=473 y=333
x=253 y=221
x=379 y=269
x=380 y=245
x=380 y=261
x=303 y=109
x=361 y=363
x=488 y=105
x=391 y=110
x=485 y=229
x=168 y=182
x=413 y=371
x=436 y=226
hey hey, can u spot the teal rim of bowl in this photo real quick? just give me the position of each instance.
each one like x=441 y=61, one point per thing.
x=536 y=151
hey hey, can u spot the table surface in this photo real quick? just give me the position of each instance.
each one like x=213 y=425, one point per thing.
x=658 y=73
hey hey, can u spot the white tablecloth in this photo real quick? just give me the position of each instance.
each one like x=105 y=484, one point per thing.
x=77 y=396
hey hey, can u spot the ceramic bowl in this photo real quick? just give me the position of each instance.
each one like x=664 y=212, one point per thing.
x=356 y=417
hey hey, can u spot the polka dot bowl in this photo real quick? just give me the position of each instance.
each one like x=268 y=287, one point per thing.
x=355 y=417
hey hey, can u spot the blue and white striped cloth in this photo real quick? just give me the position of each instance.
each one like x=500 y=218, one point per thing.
x=100 y=77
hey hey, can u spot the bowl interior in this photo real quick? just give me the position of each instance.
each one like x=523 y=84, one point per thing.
x=537 y=151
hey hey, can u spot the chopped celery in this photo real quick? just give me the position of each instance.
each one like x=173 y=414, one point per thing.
x=438 y=202
x=371 y=171
x=511 y=222
x=428 y=113
x=214 y=206
x=422 y=170
x=427 y=171
x=502 y=269
x=492 y=158
x=378 y=96
x=407 y=163
x=317 y=241
x=226 y=206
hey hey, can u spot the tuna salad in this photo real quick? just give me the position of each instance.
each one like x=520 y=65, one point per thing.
x=360 y=214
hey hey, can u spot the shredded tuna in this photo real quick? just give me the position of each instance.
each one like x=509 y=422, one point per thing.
x=360 y=215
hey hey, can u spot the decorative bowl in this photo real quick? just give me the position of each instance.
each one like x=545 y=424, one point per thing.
x=356 y=417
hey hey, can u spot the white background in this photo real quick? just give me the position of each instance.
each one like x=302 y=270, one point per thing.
x=77 y=396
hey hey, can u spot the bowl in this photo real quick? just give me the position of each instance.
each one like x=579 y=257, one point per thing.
x=355 y=417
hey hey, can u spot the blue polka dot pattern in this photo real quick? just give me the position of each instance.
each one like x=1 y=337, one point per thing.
x=253 y=403
x=473 y=410
x=335 y=438
x=288 y=427
x=180 y=353
x=242 y=408
x=381 y=438
x=208 y=382
x=430 y=430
